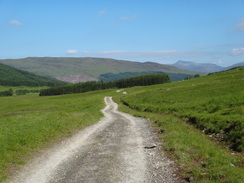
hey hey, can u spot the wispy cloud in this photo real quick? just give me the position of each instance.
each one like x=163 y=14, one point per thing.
x=101 y=13
x=220 y=46
x=240 y=26
x=120 y=53
x=128 y=18
x=237 y=51
x=71 y=52
x=218 y=62
x=15 y=23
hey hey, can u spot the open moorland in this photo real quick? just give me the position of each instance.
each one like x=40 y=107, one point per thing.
x=200 y=122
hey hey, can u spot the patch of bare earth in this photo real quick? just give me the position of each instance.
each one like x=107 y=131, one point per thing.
x=76 y=78
x=119 y=148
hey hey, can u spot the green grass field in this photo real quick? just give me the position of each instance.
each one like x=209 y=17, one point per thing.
x=30 y=123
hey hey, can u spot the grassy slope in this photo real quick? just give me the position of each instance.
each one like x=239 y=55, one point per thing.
x=213 y=103
x=9 y=75
x=219 y=97
x=29 y=123
x=48 y=66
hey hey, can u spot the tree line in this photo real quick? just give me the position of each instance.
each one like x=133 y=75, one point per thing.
x=107 y=77
x=30 y=83
x=9 y=92
x=143 y=80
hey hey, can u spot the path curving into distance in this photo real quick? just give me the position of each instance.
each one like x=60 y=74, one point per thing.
x=119 y=148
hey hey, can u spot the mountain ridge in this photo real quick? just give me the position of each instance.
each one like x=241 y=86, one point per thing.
x=200 y=67
x=203 y=67
x=90 y=67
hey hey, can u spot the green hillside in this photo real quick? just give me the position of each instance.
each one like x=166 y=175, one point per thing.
x=200 y=122
x=213 y=103
x=14 y=77
x=92 y=67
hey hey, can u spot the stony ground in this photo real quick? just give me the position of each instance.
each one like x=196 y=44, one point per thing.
x=119 y=148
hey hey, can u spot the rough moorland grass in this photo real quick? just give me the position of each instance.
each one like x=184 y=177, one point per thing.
x=214 y=103
x=198 y=157
x=29 y=123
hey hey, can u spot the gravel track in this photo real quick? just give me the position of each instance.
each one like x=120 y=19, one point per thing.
x=119 y=148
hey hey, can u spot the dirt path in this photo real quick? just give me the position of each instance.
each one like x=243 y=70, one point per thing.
x=119 y=148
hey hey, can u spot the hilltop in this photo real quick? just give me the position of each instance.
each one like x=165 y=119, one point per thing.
x=203 y=67
x=10 y=76
x=200 y=67
x=74 y=70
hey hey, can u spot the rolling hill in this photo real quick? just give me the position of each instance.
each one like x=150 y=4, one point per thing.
x=10 y=76
x=198 y=67
x=74 y=70
x=240 y=64
x=204 y=67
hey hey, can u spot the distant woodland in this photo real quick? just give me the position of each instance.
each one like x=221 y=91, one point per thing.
x=143 y=80
x=107 y=77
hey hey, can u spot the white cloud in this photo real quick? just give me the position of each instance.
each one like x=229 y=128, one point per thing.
x=127 y=18
x=15 y=23
x=72 y=52
x=240 y=26
x=102 y=13
x=237 y=51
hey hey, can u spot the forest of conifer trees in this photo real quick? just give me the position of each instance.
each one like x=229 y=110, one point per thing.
x=143 y=80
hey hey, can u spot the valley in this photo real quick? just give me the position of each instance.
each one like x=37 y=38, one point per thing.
x=122 y=91
x=199 y=122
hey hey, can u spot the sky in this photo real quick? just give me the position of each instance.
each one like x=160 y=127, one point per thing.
x=162 y=31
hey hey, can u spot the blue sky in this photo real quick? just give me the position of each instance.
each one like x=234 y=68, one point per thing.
x=163 y=31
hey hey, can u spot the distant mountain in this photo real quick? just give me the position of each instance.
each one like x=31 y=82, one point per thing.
x=86 y=68
x=198 y=67
x=232 y=66
x=10 y=76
